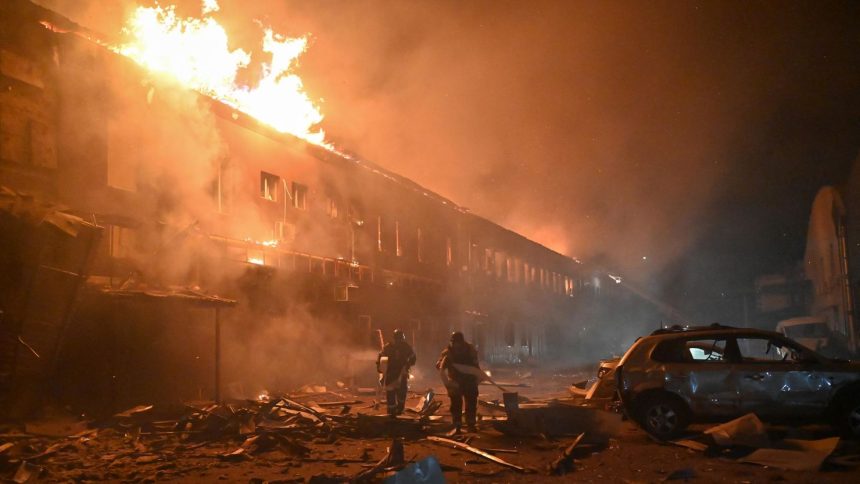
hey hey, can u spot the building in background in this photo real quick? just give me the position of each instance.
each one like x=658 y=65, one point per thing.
x=832 y=258
x=781 y=296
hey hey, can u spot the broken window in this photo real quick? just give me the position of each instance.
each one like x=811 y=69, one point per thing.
x=764 y=350
x=269 y=185
x=300 y=196
x=698 y=350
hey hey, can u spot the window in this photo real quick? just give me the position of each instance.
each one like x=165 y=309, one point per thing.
x=221 y=188
x=398 y=249
x=269 y=186
x=331 y=207
x=122 y=241
x=690 y=351
x=449 y=254
x=300 y=196
x=379 y=233
x=765 y=350
x=419 y=245
x=707 y=349
x=500 y=265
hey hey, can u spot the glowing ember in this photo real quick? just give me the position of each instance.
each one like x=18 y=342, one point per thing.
x=263 y=396
x=196 y=53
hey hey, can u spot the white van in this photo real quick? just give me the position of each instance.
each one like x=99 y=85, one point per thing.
x=810 y=331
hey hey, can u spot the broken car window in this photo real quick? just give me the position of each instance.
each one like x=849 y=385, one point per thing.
x=766 y=350
x=690 y=350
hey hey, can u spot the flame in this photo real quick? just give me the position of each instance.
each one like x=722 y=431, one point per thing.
x=195 y=52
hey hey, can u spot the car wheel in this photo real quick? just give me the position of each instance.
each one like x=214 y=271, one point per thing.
x=850 y=418
x=663 y=416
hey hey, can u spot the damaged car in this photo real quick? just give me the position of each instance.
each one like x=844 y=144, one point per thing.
x=679 y=375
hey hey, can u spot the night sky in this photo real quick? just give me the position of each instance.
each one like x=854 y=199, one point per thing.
x=678 y=143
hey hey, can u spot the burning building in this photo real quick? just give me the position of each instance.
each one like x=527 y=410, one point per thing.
x=195 y=197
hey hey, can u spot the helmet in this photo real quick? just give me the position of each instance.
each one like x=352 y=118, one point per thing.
x=399 y=336
x=457 y=337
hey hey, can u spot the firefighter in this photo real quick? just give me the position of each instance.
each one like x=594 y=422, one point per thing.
x=395 y=373
x=459 y=363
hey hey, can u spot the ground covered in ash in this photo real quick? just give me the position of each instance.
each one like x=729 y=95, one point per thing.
x=337 y=434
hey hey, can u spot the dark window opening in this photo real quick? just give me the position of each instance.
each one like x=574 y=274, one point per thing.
x=300 y=196
x=269 y=186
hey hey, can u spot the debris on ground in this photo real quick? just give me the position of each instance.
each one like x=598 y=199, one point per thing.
x=794 y=455
x=556 y=419
x=478 y=452
x=747 y=431
x=338 y=436
x=564 y=463
x=747 y=436
x=392 y=460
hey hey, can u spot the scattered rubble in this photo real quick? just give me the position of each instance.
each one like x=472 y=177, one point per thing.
x=338 y=437
x=480 y=453
x=564 y=463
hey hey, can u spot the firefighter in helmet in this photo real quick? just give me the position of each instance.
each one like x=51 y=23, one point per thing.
x=459 y=363
x=395 y=372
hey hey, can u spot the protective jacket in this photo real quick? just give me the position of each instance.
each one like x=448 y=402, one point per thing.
x=463 y=354
x=400 y=358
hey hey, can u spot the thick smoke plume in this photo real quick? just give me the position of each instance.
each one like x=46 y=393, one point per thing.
x=595 y=128
x=617 y=132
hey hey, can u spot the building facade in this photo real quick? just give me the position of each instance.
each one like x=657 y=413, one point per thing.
x=193 y=194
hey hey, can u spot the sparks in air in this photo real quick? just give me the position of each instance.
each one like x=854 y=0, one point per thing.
x=196 y=53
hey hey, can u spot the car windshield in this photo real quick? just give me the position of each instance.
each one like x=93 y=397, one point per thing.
x=811 y=330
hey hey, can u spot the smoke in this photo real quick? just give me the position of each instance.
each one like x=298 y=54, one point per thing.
x=606 y=129
x=630 y=135
x=279 y=352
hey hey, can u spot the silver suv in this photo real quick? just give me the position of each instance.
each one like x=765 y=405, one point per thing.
x=678 y=375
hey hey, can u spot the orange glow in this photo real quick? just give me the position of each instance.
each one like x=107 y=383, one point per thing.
x=196 y=53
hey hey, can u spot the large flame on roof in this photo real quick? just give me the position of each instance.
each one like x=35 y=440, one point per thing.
x=196 y=53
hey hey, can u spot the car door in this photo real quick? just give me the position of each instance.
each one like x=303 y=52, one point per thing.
x=697 y=370
x=775 y=380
